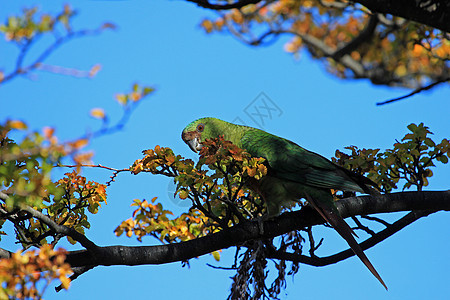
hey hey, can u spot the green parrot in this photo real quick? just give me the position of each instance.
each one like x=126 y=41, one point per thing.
x=293 y=173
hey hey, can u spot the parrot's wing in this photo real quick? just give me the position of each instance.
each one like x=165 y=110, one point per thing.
x=291 y=162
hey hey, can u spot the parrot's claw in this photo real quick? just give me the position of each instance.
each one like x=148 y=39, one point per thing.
x=260 y=220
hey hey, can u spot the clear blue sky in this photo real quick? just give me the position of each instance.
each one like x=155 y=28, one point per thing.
x=160 y=43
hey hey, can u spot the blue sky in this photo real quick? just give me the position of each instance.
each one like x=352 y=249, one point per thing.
x=160 y=43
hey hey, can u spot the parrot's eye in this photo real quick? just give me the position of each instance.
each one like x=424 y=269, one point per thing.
x=200 y=127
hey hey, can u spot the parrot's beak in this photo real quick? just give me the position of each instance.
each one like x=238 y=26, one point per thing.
x=194 y=145
x=192 y=141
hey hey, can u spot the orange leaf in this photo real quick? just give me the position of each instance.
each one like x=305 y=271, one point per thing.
x=16 y=124
x=48 y=132
x=94 y=70
x=108 y=25
x=80 y=143
x=135 y=96
x=98 y=113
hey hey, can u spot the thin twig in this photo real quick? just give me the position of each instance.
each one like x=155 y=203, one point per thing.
x=387 y=224
x=237 y=4
x=343 y=255
x=92 y=166
x=359 y=225
x=416 y=91
x=76 y=273
x=221 y=268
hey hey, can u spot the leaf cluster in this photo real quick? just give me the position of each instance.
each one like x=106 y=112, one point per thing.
x=26 y=29
x=23 y=28
x=350 y=41
x=27 y=275
x=217 y=186
x=408 y=163
x=26 y=169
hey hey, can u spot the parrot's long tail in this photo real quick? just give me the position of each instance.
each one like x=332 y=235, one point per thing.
x=333 y=217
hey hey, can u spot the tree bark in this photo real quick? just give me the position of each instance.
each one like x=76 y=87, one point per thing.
x=434 y=13
x=237 y=235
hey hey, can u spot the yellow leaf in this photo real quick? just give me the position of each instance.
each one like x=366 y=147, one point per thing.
x=98 y=113
x=122 y=99
x=65 y=282
x=216 y=255
x=207 y=25
x=16 y=124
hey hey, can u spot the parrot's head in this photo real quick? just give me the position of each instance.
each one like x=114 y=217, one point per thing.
x=200 y=130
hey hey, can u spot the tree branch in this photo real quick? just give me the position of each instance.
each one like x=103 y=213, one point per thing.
x=20 y=70
x=5 y=253
x=434 y=13
x=237 y=235
x=343 y=255
x=67 y=231
x=237 y=4
x=416 y=91
x=61 y=229
x=361 y=38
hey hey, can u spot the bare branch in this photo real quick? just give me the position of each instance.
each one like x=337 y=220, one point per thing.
x=416 y=91
x=237 y=4
x=370 y=242
x=37 y=63
x=76 y=273
x=371 y=218
x=360 y=226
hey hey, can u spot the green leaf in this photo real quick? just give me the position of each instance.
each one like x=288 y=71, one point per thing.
x=443 y=159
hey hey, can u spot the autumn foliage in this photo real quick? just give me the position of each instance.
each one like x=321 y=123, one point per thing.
x=350 y=41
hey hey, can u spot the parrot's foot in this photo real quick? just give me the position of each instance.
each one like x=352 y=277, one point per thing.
x=260 y=220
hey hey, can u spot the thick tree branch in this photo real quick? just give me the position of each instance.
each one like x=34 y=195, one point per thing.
x=237 y=235
x=435 y=13
x=67 y=231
